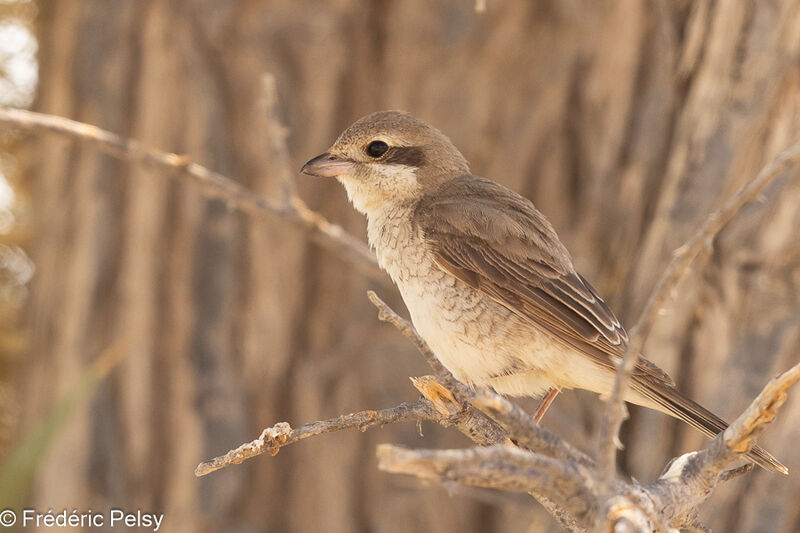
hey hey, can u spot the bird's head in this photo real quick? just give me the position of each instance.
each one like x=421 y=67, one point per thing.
x=388 y=157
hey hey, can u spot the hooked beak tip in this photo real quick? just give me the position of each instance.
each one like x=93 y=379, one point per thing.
x=327 y=166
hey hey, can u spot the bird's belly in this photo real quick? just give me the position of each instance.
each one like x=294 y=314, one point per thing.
x=483 y=343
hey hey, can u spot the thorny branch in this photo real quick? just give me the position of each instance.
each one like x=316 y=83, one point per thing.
x=682 y=259
x=580 y=494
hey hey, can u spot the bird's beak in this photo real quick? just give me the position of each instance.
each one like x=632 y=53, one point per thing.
x=327 y=166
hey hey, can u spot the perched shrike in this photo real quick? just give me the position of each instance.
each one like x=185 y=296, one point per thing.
x=488 y=284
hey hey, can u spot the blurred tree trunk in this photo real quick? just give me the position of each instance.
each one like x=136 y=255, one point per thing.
x=624 y=121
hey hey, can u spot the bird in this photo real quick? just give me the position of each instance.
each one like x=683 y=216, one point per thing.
x=487 y=282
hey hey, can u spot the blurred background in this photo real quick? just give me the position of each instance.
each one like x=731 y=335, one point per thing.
x=626 y=122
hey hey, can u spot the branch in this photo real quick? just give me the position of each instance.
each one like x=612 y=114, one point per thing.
x=281 y=434
x=740 y=435
x=211 y=184
x=387 y=314
x=496 y=467
x=471 y=422
x=525 y=432
x=465 y=418
x=667 y=504
x=563 y=479
x=677 y=269
x=691 y=478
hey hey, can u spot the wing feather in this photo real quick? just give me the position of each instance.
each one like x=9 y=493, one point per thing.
x=500 y=244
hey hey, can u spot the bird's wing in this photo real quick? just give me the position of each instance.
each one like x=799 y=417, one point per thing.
x=498 y=243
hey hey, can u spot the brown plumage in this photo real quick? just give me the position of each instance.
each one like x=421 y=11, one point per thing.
x=501 y=245
x=484 y=275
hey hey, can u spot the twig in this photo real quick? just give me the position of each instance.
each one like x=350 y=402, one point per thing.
x=281 y=434
x=387 y=314
x=212 y=184
x=683 y=257
x=465 y=418
x=740 y=435
x=469 y=421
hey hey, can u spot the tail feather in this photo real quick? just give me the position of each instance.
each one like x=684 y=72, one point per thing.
x=697 y=416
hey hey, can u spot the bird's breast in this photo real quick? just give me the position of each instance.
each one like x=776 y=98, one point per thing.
x=465 y=329
x=478 y=339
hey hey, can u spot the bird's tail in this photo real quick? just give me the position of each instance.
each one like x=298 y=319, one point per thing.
x=676 y=404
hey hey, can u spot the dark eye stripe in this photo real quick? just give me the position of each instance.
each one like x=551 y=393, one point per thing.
x=412 y=156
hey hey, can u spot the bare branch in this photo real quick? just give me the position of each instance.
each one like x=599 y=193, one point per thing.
x=740 y=435
x=469 y=421
x=691 y=478
x=281 y=434
x=733 y=473
x=211 y=184
x=524 y=430
x=625 y=515
x=499 y=467
x=668 y=504
x=677 y=269
x=465 y=418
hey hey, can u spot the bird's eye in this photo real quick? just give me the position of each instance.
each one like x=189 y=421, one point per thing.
x=377 y=148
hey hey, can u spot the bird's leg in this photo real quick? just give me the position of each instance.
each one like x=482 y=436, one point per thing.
x=545 y=403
